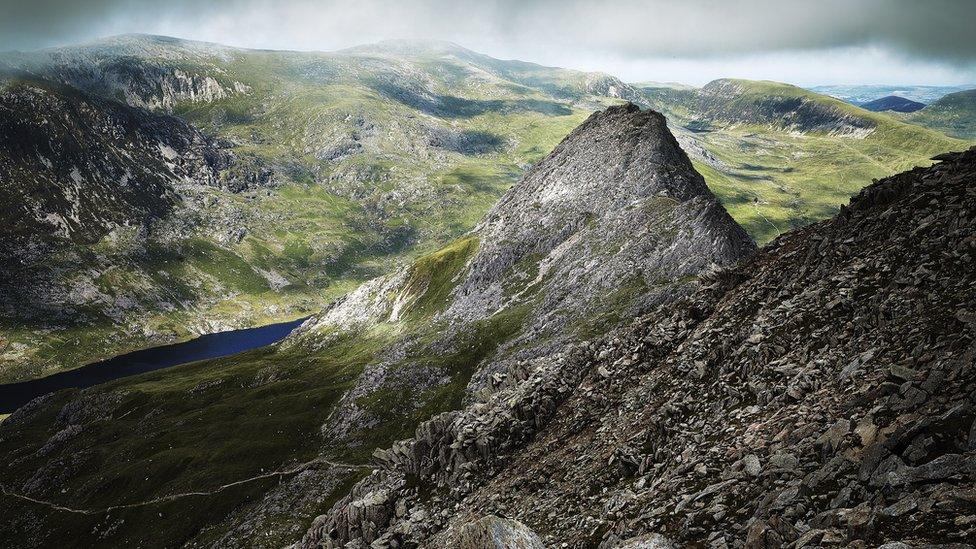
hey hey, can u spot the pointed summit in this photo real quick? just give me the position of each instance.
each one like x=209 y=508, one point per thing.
x=616 y=203
x=611 y=224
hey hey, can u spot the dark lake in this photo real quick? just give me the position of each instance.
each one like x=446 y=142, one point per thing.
x=15 y=395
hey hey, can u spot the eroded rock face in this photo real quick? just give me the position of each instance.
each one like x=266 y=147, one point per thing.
x=150 y=72
x=93 y=186
x=82 y=165
x=820 y=393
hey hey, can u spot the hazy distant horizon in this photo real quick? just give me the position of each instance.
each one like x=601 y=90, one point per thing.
x=812 y=86
x=832 y=42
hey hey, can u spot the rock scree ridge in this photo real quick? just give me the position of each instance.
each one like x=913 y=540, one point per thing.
x=819 y=393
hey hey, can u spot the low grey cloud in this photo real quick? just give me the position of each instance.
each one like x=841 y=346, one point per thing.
x=623 y=32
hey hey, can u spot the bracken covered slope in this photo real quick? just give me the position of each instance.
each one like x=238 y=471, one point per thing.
x=820 y=393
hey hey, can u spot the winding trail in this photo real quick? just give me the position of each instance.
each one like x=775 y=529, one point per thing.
x=164 y=499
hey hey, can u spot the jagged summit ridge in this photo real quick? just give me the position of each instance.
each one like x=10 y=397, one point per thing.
x=611 y=224
x=616 y=156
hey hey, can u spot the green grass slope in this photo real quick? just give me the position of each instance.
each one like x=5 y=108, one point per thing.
x=783 y=157
x=954 y=114
x=197 y=428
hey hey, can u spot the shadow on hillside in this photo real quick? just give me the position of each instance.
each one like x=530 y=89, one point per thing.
x=449 y=106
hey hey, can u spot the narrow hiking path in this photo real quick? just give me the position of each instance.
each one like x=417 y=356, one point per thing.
x=164 y=499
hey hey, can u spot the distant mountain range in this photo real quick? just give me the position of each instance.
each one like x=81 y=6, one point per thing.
x=860 y=94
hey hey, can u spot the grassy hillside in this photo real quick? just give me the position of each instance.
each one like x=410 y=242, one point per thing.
x=783 y=157
x=348 y=163
x=954 y=114
x=204 y=425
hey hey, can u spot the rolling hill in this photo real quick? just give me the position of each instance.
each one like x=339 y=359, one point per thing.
x=893 y=103
x=954 y=114
x=781 y=157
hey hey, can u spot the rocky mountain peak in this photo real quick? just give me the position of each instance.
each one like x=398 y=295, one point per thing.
x=614 y=220
x=615 y=157
x=612 y=224
x=617 y=199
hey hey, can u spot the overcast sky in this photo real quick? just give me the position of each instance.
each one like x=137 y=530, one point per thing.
x=693 y=41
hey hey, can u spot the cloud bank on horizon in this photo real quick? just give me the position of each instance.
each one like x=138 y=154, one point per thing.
x=822 y=42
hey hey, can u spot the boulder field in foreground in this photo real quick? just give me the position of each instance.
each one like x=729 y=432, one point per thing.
x=820 y=393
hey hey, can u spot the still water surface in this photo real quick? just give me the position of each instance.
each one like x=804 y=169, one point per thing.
x=15 y=395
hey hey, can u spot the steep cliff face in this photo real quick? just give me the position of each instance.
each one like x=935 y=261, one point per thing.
x=152 y=72
x=97 y=197
x=819 y=393
x=74 y=165
x=617 y=198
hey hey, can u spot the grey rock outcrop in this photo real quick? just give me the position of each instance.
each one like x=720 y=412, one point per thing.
x=495 y=533
x=617 y=198
x=150 y=72
x=89 y=186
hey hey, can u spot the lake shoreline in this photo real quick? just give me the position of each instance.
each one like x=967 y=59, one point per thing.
x=203 y=347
